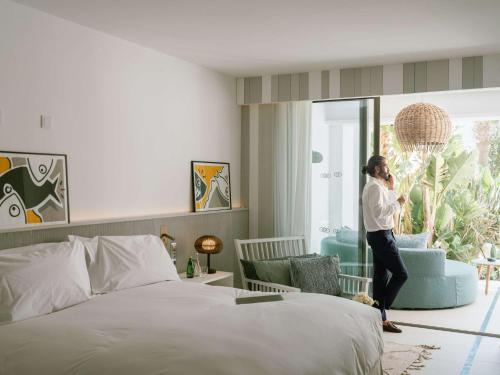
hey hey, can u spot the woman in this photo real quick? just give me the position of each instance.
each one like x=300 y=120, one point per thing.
x=379 y=206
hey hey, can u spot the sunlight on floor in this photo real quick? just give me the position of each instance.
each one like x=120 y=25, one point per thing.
x=455 y=352
x=462 y=354
x=468 y=317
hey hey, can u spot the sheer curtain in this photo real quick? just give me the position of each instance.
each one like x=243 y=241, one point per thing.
x=292 y=163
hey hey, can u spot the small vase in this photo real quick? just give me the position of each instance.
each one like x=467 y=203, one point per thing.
x=197 y=266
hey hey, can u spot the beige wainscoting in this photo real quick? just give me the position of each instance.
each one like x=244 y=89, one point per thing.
x=227 y=225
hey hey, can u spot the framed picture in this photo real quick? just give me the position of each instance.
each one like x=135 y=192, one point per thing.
x=211 y=186
x=33 y=189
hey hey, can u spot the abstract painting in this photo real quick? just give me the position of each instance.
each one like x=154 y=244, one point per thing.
x=211 y=186
x=33 y=189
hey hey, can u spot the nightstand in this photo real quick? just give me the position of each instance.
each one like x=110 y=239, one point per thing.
x=220 y=278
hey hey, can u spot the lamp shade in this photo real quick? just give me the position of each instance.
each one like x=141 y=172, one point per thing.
x=422 y=127
x=208 y=245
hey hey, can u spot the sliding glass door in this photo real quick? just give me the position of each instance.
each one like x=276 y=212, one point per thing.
x=344 y=136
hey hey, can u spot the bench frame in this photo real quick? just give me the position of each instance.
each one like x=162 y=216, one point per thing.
x=269 y=248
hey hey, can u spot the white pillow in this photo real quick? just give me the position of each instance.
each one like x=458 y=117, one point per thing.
x=40 y=279
x=123 y=262
x=90 y=245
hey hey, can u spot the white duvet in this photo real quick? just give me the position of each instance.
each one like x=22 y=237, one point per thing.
x=187 y=328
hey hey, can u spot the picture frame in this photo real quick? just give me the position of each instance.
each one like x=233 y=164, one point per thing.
x=33 y=189
x=211 y=186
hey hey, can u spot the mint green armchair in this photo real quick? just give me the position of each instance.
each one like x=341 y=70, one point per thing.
x=433 y=281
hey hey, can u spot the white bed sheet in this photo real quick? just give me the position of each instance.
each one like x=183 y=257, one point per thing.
x=177 y=327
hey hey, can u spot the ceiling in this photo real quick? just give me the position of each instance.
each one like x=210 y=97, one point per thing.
x=253 y=37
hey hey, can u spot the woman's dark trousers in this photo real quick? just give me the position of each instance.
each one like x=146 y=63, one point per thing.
x=386 y=258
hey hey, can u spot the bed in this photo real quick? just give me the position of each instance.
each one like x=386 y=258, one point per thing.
x=175 y=327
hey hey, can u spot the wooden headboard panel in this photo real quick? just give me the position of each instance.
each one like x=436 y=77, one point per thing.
x=186 y=228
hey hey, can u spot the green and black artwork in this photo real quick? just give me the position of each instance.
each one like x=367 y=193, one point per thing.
x=33 y=189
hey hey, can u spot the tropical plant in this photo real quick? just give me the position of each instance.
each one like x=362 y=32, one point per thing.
x=446 y=173
x=494 y=154
x=472 y=224
x=406 y=168
x=451 y=195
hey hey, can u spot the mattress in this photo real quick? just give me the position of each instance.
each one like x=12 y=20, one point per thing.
x=177 y=327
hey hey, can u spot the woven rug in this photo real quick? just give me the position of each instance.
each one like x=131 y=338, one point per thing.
x=400 y=359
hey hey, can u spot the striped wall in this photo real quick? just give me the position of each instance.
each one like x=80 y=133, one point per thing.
x=423 y=76
x=257 y=163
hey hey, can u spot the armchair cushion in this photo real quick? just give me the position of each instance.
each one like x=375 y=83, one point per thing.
x=316 y=275
x=249 y=269
x=268 y=270
x=420 y=262
x=433 y=281
x=412 y=241
x=347 y=235
x=274 y=271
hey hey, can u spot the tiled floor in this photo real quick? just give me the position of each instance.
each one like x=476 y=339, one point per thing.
x=454 y=353
x=469 y=317
x=460 y=354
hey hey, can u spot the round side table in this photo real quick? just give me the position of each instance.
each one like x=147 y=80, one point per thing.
x=479 y=263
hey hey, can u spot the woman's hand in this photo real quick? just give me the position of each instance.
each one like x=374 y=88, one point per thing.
x=402 y=200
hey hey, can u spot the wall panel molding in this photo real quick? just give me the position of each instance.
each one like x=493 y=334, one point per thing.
x=284 y=87
x=392 y=79
x=491 y=69
x=253 y=175
x=185 y=227
x=438 y=75
x=266 y=89
x=314 y=85
x=455 y=74
x=335 y=83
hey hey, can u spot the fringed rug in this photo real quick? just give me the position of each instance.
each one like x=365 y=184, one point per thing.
x=399 y=359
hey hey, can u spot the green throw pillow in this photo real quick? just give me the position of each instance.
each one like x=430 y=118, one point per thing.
x=273 y=271
x=249 y=269
x=276 y=270
x=316 y=275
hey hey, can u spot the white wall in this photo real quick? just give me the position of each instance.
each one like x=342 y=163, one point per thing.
x=129 y=118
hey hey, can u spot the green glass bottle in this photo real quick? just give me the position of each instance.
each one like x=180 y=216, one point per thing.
x=190 y=269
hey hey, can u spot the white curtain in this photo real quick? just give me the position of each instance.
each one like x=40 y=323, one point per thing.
x=292 y=163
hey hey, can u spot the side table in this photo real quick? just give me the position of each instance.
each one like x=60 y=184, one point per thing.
x=219 y=278
x=479 y=263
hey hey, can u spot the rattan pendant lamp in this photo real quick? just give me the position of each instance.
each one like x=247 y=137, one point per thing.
x=422 y=127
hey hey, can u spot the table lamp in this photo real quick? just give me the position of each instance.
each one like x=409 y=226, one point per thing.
x=208 y=245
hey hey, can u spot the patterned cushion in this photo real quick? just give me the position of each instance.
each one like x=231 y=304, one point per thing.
x=412 y=241
x=316 y=275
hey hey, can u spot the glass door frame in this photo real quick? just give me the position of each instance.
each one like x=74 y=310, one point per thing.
x=363 y=159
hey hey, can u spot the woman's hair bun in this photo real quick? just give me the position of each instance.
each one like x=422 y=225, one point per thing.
x=364 y=170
